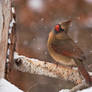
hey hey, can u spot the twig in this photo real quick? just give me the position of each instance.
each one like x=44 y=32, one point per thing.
x=12 y=37
x=11 y=42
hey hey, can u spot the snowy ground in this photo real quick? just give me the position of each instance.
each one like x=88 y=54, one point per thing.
x=6 y=86
x=85 y=90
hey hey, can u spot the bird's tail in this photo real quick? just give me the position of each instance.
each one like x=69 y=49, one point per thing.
x=83 y=71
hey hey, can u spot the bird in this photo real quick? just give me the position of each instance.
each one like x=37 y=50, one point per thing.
x=65 y=51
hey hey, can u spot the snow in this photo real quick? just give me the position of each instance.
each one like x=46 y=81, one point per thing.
x=9 y=41
x=64 y=90
x=75 y=68
x=8 y=51
x=11 y=23
x=10 y=30
x=7 y=60
x=35 y=60
x=16 y=55
x=6 y=86
x=13 y=9
x=36 y=5
x=84 y=90
x=90 y=73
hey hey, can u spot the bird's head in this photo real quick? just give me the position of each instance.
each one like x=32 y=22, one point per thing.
x=62 y=27
x=60 y=31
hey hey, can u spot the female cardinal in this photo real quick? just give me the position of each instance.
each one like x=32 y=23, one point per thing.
x=64 y=51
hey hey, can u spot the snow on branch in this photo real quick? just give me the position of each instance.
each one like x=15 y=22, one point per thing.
x=35 y=66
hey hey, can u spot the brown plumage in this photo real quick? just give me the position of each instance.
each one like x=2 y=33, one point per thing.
x=63 y=49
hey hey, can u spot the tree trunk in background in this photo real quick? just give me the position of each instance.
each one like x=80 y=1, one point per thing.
x=5 y=17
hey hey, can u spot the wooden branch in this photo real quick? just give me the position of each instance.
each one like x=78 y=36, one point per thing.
x=35 y=66
x=5 y=17
x=81 y=86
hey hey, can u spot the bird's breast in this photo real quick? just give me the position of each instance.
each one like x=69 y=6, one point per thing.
x=57 y=56
x=60 y=58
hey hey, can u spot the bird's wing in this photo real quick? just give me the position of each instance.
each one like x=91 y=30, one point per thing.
x=67 y=48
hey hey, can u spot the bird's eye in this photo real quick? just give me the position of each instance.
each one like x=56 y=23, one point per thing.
x=58 y=28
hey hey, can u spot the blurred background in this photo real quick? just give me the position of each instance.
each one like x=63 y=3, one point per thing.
x=35 y=19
